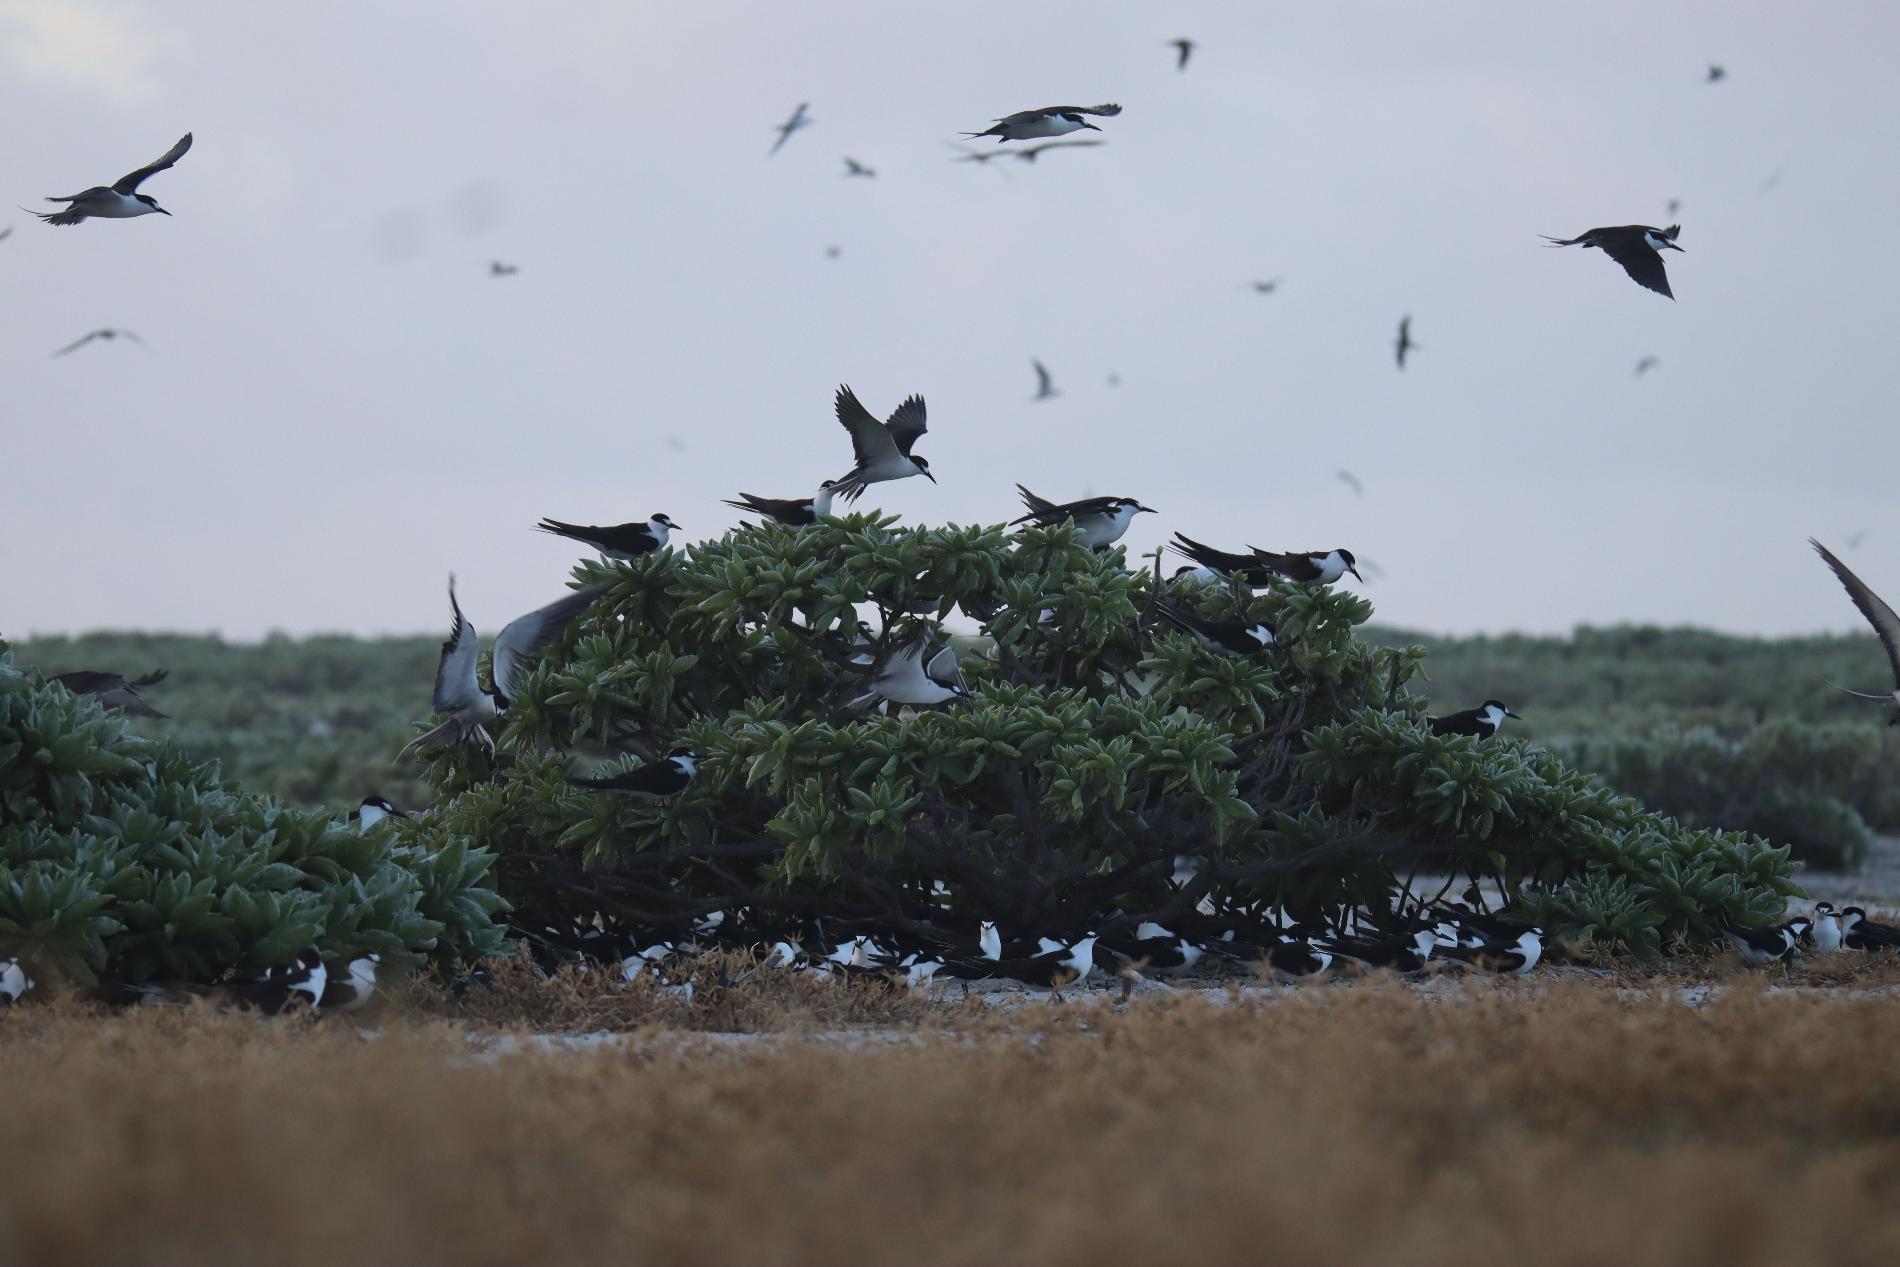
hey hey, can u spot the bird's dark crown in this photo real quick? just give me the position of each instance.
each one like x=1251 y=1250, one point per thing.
x=1494 y=703
x=1347 y=556
x=660 y=517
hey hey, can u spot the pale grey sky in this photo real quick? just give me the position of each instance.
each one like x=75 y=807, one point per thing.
x=338 y=405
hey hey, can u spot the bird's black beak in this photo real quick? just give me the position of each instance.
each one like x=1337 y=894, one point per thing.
x=1509 y=713
x=930 y=477
x=161 y=211
x=1091 y=127
x=1145 y=510
x=1356 y=576
x=1672 y=246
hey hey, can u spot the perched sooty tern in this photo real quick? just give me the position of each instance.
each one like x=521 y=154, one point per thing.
x=1878 y=614
x=791 y=125
x=1044 y=387
x=793 y=512
x=372 y=811
x=654 y=781
x=1099 y=521
x=1403 y=345
x=624 y=542
x=120 y=200
x=458 y=689
x=1183 y=49
x=103 y=335
x=852 y=167
x=351 y=989
x=1826 y=930
x=882 y=448
x=1029 y=152
x=910 y=674
x=1637 y=247
x=1235 y=636
x=112 y=689
x=1029 y=125
x=1860 y=933
x=1313 y=567
x=1482 y=721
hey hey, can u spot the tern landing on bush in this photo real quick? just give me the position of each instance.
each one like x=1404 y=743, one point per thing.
x=624 y=542
x=120 y=200
x=1637 y=247
x=458 y=688
x=1099 y=521
x=1030 y=125
x=882 y=448
x=792 y=512
x=112 y=689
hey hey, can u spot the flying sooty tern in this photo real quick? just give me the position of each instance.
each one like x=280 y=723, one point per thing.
x=1403 y=345
x=852 y=167
x=1099 y=521
x=1716 y=74
x=104 y=335
x=1045 y=388
x=1637 y=247
x=1312 y=567
x=372 y=811
x=1029 y=125
x=798 y=120
x=1350 y=481
x=908 y=673
x=1646 y=364
x=1184 y=49
x=112 y=689
x=350 y=990
x=498 y=269
x=1237 y=637
x=6 y=233
x=882 y=449
x=793 y=512
x=458 y=688
x=1482 y=721
x=1266 y=287
x=120 y=200
x=1878 y=614
x=654 y=781
x=624 y=542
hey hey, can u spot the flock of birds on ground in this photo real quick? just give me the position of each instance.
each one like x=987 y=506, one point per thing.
x=912 y=672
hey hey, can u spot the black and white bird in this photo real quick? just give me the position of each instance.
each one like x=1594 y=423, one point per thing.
x=1237 y=637
x=298 y=983
x=798 y=120
x=1257 y=566
x=1716 y=73
x=793 y=512
x=1029 y=153
x=882 y=449
x=372 y=811
x=13 y=982
x=1761 y=946
x=910 y=673
x=1403 y=345
x=1482 y=721
x=1157 y=948
x=624 y=542
x=458 y=688
x=112 y=689
x=1183 y=49
x=1398 y=953
x=1860 y=933
x=120 y=200
x=1825 y=932
x=1045 y=387
x=1030 y=125
x=654 y=781
x=349 y=990
x=498 y=269
x=1099 y=521
x=103 y=335
x=1637 y=247
x=1879 y=615
x=1504 y=957
x=1054 y=970
x=852 y=167
x=1266 y=287
x=1290 y=959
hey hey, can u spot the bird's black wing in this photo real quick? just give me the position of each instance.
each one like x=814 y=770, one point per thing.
x=1644 y=265
x=626 y=538
x=1871 y=605
x=1100 y=111
x=456 y=685
x=870 y=439
x=1208 y=556
x=1041 y=509
x=129 y=183
x=78 y=343
x=526 y=635
x=907 y=423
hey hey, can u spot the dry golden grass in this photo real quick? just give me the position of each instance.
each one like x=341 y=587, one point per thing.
x=1551 y=1123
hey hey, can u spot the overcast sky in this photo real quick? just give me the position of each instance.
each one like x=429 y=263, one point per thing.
x=338 y=405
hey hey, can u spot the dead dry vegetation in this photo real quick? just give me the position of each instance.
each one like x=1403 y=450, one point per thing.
x=1557 y=1122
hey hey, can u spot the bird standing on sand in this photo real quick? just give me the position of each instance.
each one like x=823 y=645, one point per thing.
x=120 y=200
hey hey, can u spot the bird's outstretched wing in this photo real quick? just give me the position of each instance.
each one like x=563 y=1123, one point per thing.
x=906 y=424
x=1872 y=606
x=526 y=635
x=870 y=439
x=1043 y=387
x=1644 y=266
x=78 y=343
x=456 y=686
x=129 y=183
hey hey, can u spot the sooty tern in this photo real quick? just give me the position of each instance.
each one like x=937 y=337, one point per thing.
x=1350 y=481
x=120 y=200
x=13 y=981
x=1397 y=953
x=1860 y=933
x=113 y=690
x=852 y=167
x=350 y=989
x=882 y=449
x=1403 y=345
x=1825 y=933
x=298 y=983
x=1099 y=521
x=791 y=125
x=793 y=512
x=458 y=688
x=498 y=269
x=1044 y=387
x=1761 y=946
x=1646 y=364
x=1716 y=73
x=372 y=811
x=1266 y=287
x=654 y=781
x=909 y=673
x=1312 y=567
x=1637 y=247
x=1239 y=637
x=1482 y=721
x=1878 y=614
x=103 y=335
x=624 y=542
x=1512 y=957
x=1029 y=125
x=1183 y=49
